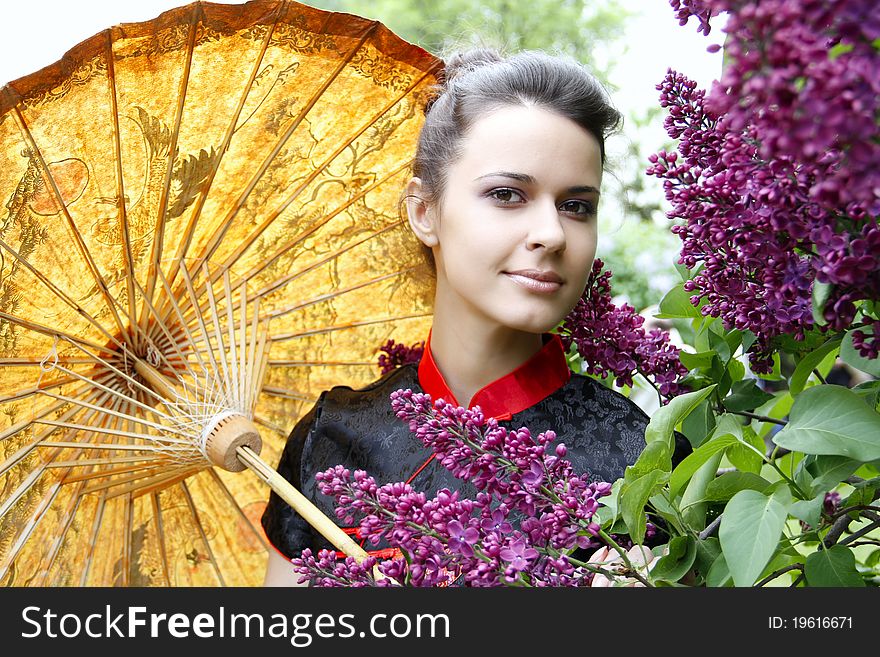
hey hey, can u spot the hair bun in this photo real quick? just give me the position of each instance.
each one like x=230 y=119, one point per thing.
x=463 y=62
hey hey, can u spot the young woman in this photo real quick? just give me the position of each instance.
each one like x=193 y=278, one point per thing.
x=507 y=183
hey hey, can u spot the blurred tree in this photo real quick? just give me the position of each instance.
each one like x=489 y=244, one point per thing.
x=570 y=27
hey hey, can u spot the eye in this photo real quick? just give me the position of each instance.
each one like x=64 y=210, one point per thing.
x=578 y=207
x=506 y=196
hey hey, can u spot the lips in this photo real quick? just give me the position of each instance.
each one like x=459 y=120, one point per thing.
x=535 y=280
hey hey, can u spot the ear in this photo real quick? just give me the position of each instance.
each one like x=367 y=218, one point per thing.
x=422 y=217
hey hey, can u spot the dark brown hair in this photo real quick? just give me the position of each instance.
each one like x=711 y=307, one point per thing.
x=479 y=81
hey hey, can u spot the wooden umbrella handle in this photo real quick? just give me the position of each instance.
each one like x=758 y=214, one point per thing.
x=301 y=504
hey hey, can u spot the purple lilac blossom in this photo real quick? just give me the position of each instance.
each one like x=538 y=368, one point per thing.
x=777 y=175
x=530 y=513
x=395 y=355
x=611 y=339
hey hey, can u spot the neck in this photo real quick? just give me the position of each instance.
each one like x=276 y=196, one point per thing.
x=471 y=357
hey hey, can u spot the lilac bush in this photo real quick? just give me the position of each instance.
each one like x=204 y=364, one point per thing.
x=530 y=514
x=611 y=341
x=777 y=175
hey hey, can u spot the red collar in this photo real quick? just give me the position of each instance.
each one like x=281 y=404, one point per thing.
x=537 y=378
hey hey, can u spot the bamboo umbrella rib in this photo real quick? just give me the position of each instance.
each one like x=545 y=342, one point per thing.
x=22 y=488
x=81 y=247
x=28 y=528
x=126 y=542
x=165 y=480
x=198 y=522
x=144 y=461
x=223 y=227
x=159 y=234
x=341 y=327
x=160 y=537
x=252 y=353
x=316 y=171
x=123 y=375
x=35 y=390
x=285 y=394
x=114 y=432
x=22 y=452
x=167 y=334
x=126 y=398
x=270 y=425
x=191 y=449
x=285 y=280
x=242 y=341
x=235 y=506
x=126 y=484
x=265 y=263
x=120 y=414
x=12 y=362
x=20 y=426
x=230 y=325
x=218 y=334
x=59 y=293
x=183 y=323
x=201 y=321
x=256 y=383
x=128 y=257
x=69 y=515
x=96 y=526
x=45 y=330
x=342 y=291
x=189 y=231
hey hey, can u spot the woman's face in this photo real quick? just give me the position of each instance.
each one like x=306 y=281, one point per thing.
x=516 y=225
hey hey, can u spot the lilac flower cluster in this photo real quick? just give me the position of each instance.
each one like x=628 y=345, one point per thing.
x=612 y=341
x=777 y=175
x=530 y=513
x=397 y=355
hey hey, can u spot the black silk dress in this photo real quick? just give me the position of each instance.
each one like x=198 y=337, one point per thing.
x=603 y=431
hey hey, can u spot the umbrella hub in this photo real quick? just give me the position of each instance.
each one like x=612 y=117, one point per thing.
x=123 y=371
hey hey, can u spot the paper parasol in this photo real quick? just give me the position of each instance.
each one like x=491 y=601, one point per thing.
x=202 y=228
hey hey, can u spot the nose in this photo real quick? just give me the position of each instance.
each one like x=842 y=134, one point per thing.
x=545 y=228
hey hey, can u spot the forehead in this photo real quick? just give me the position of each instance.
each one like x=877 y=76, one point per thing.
x=532 y=141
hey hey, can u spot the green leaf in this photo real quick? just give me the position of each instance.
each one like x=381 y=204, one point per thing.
x=870 y=392
x=657 y=455
x=829 y=419
x=633 y=497
x=676 y=564
x=699 y=424
x=749 y=533
x=808 y=510
x=828 y=471
x=746 y=396
x=677 y=303
x=810 y=362
x=748 y=455
x=665 y=419
x=708 y=551
x=821 y=292
x=608 y=509
x=835 y=566
x=719 y=573
x=730 y=483
x=694 y=360
x=851 y=356
x=693 y=508
x=692 y=462
x=719 y=345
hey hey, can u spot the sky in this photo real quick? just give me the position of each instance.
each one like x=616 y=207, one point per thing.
x=39 y=32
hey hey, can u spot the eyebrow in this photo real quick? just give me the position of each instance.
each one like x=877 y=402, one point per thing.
x=530 y=180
